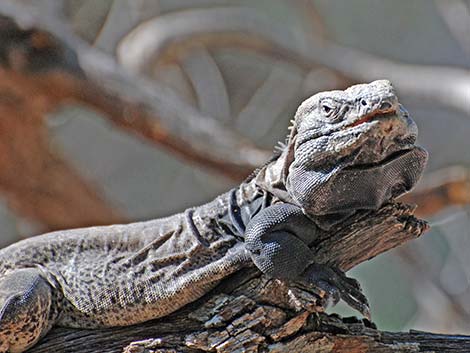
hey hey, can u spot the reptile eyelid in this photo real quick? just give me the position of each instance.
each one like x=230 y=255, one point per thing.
x=333 y=115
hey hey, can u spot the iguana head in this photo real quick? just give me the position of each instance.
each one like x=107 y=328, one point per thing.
x=349 y=150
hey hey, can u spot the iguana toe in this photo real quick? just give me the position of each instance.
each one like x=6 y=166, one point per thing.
x=336 y=285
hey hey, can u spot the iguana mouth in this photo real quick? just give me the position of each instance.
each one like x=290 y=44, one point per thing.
x=312 y=133
x=371 y=116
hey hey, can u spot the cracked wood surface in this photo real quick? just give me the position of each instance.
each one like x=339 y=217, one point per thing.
x=248 y=312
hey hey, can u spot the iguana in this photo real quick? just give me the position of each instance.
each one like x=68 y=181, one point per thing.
x=347 y=151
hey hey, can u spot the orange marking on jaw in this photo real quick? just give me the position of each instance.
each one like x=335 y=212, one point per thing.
x=362 y=120
x=370 y=116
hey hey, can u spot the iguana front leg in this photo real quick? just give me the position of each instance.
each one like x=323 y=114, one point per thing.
x=278 y=239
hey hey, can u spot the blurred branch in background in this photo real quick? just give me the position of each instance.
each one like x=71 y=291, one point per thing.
x=442 y=278
x=456 y=15
x=148 y=43
x=439 y=190
x=139 y=105
x=29 y=162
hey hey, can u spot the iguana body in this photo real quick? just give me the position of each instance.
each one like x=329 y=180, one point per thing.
x=348 y=150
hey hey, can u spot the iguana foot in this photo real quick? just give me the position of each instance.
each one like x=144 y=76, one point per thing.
x=25 y=302
x=336 y=285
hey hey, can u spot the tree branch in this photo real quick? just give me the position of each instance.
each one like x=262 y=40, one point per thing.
x=35 y=180
x=248 y=312
x=446 y=85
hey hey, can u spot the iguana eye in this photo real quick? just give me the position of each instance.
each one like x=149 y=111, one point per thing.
x=329 y=111
x=326 y=109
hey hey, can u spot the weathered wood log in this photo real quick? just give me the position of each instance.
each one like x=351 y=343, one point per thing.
x=249 y=312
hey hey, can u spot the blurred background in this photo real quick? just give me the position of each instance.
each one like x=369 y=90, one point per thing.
x=123 y=110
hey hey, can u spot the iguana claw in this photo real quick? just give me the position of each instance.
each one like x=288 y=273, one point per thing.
x=336 y=285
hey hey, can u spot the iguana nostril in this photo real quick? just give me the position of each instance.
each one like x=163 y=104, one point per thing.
x=385 y=106
x=363 y=102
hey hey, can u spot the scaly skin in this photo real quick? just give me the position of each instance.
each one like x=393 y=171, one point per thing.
x=347 y=150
